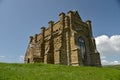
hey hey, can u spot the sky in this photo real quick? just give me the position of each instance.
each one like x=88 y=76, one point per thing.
x=20 y=19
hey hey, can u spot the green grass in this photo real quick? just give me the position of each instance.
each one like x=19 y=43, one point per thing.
x=114 y=66
x=56 y=72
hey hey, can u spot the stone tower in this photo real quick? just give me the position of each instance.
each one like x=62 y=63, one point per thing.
x=69 y=41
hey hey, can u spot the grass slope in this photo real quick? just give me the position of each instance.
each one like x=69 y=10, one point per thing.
x=55 y=72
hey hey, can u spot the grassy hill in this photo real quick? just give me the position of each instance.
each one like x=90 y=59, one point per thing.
x=56 y=72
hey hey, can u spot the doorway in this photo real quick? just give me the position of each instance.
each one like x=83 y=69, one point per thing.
x=28 y=61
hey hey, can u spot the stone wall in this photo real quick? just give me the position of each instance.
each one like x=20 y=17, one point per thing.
x=58 y=44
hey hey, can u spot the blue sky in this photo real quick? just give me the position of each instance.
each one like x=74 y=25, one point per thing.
x=20 y=19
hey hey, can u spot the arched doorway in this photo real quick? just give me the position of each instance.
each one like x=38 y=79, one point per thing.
x=28 y=61
x=81 y=44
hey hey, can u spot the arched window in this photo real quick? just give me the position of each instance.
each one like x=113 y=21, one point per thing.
x=81 y=44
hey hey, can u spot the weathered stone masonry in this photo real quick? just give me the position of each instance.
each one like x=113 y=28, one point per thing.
x=69 y=42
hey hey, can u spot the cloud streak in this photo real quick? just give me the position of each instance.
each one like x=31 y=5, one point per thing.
x=2 y=56
x=105 y=62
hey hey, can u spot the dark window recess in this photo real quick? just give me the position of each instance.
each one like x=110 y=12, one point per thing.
x=81 y=44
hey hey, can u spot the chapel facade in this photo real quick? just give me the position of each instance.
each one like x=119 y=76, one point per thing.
x=69 y=41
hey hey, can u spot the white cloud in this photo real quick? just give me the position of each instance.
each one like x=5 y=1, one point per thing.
x=2 y=56
x=103 y=57
x=105 y=62
x=107 y=44
x=21 y=58
x=109 y=48
x=115 y=62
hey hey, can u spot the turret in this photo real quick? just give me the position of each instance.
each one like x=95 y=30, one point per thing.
x=43 y=33
x=88 y=22
x=67 y=23
x=70 y=15
x=62 y=17
x=42 y=44
x=51 y=23
x=42 y=29
x=31 y=39
x=35 y=38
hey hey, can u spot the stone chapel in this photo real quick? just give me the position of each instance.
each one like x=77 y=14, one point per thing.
x=69 y=41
